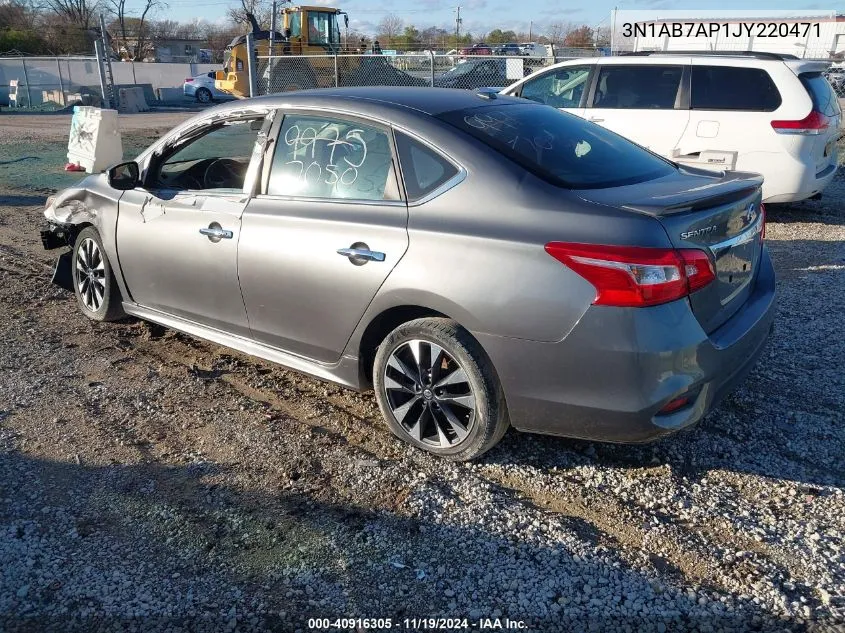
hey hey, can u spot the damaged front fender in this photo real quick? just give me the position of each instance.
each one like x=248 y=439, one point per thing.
x=90 y=203
x=73 y=205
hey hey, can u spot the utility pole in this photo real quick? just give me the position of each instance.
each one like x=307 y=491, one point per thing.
x=530 y=30
x=613 y=29
x=272 y=28
x=458 y=28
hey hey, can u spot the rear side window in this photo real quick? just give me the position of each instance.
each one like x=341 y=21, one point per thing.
x=822 y=94
x=325 y=157
x=731 y=88
x=561 y=148
x=627 y=87
x=423 y=169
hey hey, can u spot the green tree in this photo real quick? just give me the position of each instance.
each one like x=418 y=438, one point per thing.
x=466 y=39
x=23 y=41
x=498 y=36
x=409 y=40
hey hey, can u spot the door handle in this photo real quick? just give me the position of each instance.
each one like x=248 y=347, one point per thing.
x=361 y=256
x=215 y=232
x=595 y=119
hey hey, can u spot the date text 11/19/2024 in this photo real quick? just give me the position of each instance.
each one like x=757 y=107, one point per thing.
x=416 y=624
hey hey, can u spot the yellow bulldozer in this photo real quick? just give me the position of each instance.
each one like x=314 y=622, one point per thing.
x=308 y=53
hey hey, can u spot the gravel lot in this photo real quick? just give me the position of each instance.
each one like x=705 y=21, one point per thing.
x=150 y=481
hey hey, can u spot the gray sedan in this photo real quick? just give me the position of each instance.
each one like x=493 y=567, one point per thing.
x=478 y=260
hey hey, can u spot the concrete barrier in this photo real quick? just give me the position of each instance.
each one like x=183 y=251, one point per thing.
x=95 y=141
x=132 y=100
x=170 y=95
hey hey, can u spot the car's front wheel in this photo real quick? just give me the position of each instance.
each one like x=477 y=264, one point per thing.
x=94 y=284
x=438 y=391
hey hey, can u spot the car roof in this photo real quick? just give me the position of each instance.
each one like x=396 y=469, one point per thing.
x=722 y=59
x=431 y=101
x=663 y=57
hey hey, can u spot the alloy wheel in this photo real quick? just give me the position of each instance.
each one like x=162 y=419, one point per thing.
x=90 y=274
x=429 y=394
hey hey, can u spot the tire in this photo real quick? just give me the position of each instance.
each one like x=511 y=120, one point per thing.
x=443 y=414
x=97 y=293
x=203 y=95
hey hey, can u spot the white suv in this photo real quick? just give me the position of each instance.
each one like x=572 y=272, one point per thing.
x=775 y=115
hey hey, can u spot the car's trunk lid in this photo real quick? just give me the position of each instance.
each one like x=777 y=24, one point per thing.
x=717 y=213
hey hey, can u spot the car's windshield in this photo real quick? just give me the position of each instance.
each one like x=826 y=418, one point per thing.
x=461 y=69
x=561 y=148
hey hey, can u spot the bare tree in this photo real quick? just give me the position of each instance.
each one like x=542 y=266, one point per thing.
x=603 y=36
x=557 y=31
x=390 y=26
x=261 y=9
x=15 y=15
x=133 y=31
x=80 y=13
x=165 y=29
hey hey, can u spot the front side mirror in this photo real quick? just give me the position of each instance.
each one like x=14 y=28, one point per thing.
x=124 y=176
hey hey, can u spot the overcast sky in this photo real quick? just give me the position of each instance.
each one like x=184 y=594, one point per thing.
x=480 y=16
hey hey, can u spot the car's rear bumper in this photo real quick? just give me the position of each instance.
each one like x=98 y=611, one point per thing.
x=791 y=180
x=612 y=374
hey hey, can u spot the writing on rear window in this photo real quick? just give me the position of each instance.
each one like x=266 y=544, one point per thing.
x=563 y=149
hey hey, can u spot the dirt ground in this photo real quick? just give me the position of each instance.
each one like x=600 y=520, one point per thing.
x=153 y=480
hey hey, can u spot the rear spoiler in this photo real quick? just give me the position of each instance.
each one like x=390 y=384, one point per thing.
x=799 y=66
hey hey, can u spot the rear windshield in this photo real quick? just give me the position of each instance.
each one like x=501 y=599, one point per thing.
x=560 y=148
x=821 y=92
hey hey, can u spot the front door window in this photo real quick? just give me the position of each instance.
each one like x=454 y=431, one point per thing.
x=217 y=160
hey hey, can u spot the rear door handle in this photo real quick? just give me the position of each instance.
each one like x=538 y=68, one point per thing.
x=361 y=255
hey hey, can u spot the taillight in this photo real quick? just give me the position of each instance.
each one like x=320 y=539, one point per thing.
x=813 y=123
x=633 y=276
x=674 y=405
x=188 y=80
x=763 y=221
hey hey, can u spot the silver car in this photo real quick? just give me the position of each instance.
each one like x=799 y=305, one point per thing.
x=479 y=260
x=203 y=89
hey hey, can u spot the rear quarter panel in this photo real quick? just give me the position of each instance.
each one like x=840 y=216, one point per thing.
x=476 y=253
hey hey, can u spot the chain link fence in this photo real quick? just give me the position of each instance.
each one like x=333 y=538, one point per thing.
x=284 y=73
x=837 y=81
x=50 y=80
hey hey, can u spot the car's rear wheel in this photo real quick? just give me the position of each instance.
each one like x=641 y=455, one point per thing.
x=203 y=95
x=93 y=280
x=438 y=391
